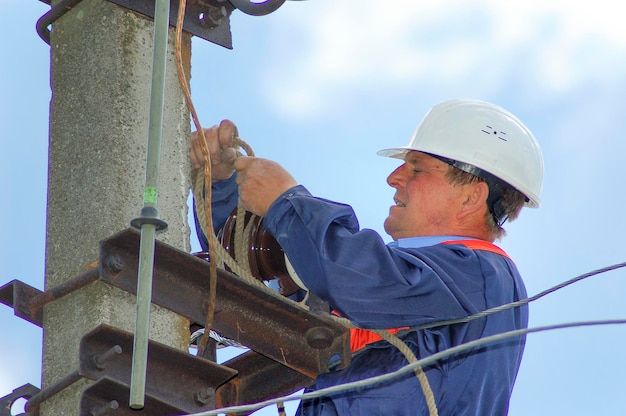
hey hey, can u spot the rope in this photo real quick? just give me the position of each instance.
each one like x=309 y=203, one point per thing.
x=207 y=173
x=419 y=372
x=202 y=195
x=233 y=264
x=409 y=367
x=410 y=357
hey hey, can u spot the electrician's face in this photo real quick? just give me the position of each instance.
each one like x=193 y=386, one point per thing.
x=425 y=200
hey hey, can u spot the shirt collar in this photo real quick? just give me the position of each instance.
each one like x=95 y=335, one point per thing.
x=417 y=242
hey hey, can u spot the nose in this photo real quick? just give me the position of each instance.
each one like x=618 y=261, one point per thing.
x=396 y=178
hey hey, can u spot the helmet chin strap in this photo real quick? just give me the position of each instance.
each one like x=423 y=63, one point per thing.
x=495 y=200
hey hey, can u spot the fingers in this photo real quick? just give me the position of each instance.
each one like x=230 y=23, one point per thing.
x=261 y=182
x=226 y=133
x=197 y=158
x=219 y=143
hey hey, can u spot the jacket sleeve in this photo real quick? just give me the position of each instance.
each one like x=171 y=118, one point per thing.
x=368 y=282
x=225 y=195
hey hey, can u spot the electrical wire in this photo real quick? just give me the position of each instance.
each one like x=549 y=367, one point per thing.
x=521 y=302
x=220 y=340
x=416 y=365
x=368 y=382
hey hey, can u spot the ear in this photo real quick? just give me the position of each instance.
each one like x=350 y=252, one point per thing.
x=475 y=200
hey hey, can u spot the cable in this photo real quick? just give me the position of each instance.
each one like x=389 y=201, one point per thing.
x=207 y=170
x=521 y=302
x=408 y=368
x=416 y=365
x=220 y=340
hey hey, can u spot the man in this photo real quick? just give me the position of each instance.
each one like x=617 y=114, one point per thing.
x=468 y=167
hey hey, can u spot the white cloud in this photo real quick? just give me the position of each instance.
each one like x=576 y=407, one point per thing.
x=354 y=44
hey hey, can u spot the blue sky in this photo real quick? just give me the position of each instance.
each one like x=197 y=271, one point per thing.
x=321 y=85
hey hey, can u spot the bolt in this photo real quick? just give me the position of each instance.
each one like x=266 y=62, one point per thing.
x=319 y=337
x=99 y=360
x=212 y=17
x=115 y=263
x=204 y=397
x=104 y=409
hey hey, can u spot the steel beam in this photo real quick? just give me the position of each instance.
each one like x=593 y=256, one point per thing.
x=260 y=319
x=28 y=302
x=24 y=392
x=259 y=378
x=174 y=377
x=110 y=397
x=206 y=19
x=17 y=294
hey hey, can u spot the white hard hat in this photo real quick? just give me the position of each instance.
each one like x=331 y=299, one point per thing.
x=484 y=136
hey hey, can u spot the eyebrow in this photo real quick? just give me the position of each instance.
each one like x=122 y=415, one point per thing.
x=415 y=161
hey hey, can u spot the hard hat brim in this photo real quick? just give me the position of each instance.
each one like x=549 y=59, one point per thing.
x=394 y=152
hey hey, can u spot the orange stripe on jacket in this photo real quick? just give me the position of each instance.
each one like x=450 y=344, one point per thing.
x=360 y=338
x=479 y=245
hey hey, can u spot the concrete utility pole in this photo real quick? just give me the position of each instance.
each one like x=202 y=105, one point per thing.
x=101 y=62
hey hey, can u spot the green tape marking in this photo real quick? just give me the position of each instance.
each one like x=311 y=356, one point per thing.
x=150 y=195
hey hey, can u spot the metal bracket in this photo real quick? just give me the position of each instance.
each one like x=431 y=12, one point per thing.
x=177 y=382
x=176 y=378
x=290 y=345
x=260 y=319
x=16 y=295
x=110 y=397
x=25 y=392
x=259 y=379
x=28 y=302
x=206 y=19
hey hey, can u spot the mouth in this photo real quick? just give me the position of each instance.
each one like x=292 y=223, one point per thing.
x=399 y=203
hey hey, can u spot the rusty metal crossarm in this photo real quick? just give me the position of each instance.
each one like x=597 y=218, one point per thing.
x=262 y=320
x=24 y=392
x=28 y=302
x=259 y=379
x=206 y=19
x=16 y=295
x=175 y=377
x=111 y=397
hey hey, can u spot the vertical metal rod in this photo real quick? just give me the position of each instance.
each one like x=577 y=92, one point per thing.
x=149 y=221
x=142 y=322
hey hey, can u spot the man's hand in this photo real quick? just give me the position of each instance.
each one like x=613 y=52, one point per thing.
x=219 y=141
x=260 y=182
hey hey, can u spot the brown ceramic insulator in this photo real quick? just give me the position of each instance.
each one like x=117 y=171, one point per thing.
x=266 y=257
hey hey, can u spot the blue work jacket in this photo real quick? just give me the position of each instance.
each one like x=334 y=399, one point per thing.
x=379 y=286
